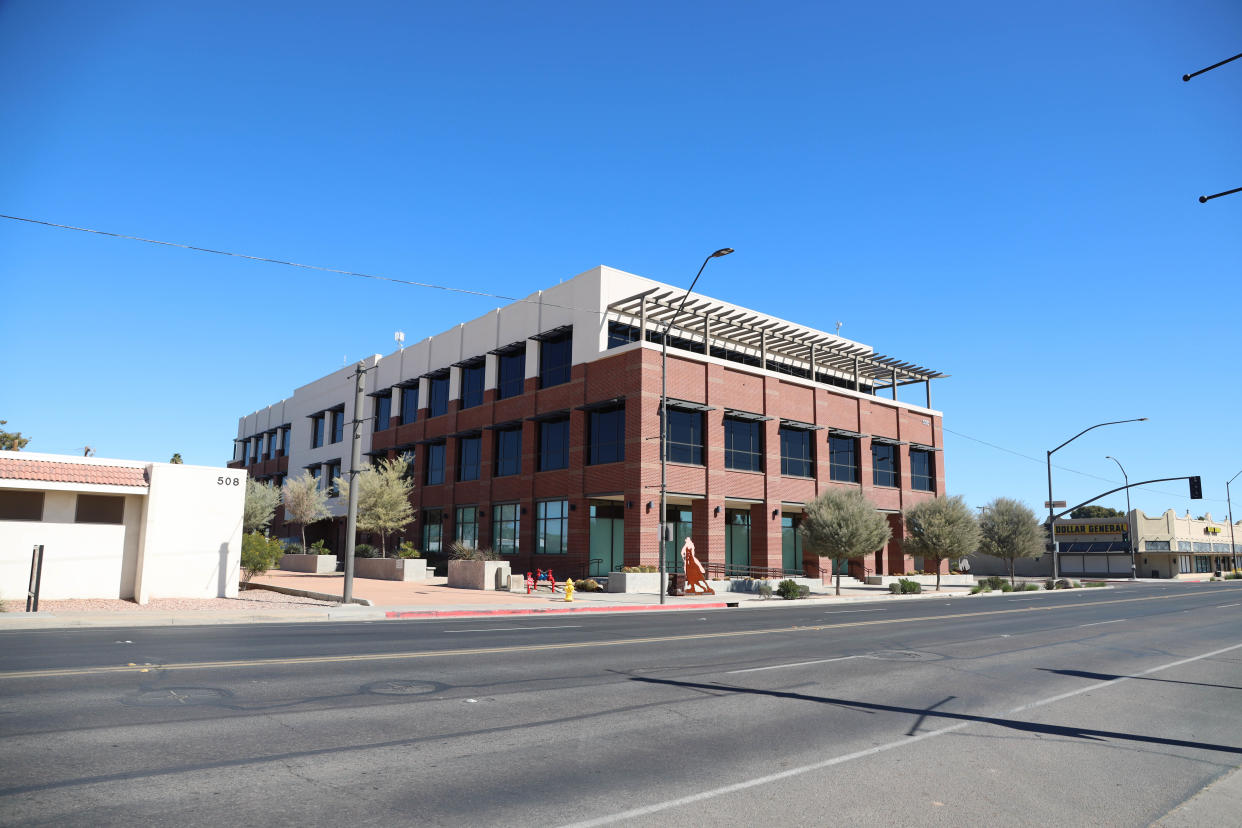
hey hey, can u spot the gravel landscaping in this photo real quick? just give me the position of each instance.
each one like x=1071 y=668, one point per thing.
x=246 y=601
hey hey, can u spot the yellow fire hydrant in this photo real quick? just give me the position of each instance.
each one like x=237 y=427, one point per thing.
x=569 y=589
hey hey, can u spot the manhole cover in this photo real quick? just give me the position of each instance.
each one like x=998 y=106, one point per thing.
x=178 y=697
x=402 y=687
x=904 y=655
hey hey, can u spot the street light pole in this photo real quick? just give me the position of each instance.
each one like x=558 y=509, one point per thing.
x=1052 y=531
x=724 y=251
x=1129 y=523
x=1233 y=548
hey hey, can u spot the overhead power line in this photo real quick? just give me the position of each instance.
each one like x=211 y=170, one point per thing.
x=270 y=260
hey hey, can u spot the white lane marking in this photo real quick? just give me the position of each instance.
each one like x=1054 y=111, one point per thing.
x=842 y=612
x=1098 y=623
x=1219 y=606
x=794 y=664
x=909 y=740
x=507 y=629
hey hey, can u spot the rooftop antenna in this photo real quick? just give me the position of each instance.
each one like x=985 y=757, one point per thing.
x=839 y=324
x=399 y=337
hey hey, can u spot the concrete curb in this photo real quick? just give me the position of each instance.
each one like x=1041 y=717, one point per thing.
x=306 y=593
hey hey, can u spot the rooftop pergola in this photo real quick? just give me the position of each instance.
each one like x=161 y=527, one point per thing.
x=771 y=341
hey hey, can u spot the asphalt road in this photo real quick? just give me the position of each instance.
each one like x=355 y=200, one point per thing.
x=1090 y=707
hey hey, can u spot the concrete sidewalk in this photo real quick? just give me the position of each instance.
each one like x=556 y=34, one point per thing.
x=432 y=599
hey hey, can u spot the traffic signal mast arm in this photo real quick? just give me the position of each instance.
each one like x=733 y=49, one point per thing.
x=1119 y=489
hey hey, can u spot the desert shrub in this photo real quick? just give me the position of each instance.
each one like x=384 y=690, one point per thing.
x=1030 y=588
x=909 y=587
x=765 y=590
x=1006 y=587
x=407 y=551
x=644 y=568
x=993 y=581
x=292 y=547
x=588 y=585
x=459 y=551
x=259 y=554
x=894 y=588
x=319 y=548
x=977 y=588
x=789 y=589
x=365 y=550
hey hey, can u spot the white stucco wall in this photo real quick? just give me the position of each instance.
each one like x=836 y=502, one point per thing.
x=80 y=560
x=191 y=539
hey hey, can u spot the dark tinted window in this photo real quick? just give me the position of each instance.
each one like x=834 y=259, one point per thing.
x=508 y=451
x=921 y=476
x=796 y=453
x=435 y=464
x=338 y=426
x=843 y=459
x=468 y=458
x=510 y=374
x=100 y=509
x=554 y=360
x=437 y=402
x=21 y=505
x=472 y=385
x=409 y=404
x=685 y=436
x=743 y=445
x=554 y=444
x=606 y=438
x=383 y=411
x=884 y=464
x=621 y=334
x=317 y=431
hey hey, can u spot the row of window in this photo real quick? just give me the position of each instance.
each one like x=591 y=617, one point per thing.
x=22 y=505
x=605 y=444
x=555 y=356
x=551 y=528
x=330 y=424
x=1204 y=564
x=266 y=446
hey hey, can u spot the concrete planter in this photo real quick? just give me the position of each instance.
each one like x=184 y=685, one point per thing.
x=391 y=569
x=925 y=580
x=479 y=574
x=308 y=563
x=635 y=582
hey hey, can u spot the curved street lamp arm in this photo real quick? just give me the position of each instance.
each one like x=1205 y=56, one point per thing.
x=1097 y=425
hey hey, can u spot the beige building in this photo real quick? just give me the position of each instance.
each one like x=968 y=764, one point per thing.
x=1165 y=546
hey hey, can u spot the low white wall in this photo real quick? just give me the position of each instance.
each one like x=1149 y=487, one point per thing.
x=191 y=542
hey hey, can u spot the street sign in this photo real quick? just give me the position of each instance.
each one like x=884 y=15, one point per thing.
x=1055 y=504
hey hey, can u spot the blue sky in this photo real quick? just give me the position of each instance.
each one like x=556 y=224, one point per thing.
x=1004 y=192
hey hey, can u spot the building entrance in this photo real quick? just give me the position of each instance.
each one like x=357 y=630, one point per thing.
x=607 y=537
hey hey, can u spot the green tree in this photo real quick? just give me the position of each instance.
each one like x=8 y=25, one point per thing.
x=1010 y=531
x=841 y=525
x=12 y=440
x=383 y=498
x=261 y=502
x=1095 y=512
x=259 y=554
x=175 y=459
x=304 y=501
x=941 y=529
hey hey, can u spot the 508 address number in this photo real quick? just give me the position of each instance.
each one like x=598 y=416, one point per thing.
x=228 y=481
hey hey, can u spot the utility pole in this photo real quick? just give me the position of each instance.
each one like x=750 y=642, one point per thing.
x=355 y=458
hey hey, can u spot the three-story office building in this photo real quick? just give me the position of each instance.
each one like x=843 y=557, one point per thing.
x=534 y=430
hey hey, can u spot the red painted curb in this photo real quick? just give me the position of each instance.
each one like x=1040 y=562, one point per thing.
x=547 y=611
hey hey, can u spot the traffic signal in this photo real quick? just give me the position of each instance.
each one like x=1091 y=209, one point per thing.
x=1196 y=489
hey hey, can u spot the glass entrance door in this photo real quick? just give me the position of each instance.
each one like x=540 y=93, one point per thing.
x=607 y=537
x=679 y=517
x=737 y=540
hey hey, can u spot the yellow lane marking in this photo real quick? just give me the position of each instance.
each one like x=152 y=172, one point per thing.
x=527 y=648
